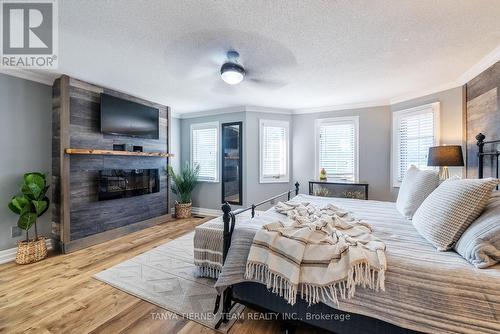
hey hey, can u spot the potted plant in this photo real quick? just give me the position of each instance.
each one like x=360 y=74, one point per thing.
x=183 y=185
x=29 y=206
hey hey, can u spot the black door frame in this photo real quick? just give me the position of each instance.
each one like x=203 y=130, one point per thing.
x=240 y=162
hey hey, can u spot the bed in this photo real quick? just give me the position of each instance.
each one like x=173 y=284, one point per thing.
x=426 y=290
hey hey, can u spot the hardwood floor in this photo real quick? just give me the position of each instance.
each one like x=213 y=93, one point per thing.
x=59 y=295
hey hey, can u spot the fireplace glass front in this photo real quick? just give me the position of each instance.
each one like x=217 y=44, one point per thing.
x=121 y=183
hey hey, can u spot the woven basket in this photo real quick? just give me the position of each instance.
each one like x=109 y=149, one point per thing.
x=182 y=210
x=31 y=251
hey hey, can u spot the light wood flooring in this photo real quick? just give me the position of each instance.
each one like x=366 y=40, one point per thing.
x=59 y=295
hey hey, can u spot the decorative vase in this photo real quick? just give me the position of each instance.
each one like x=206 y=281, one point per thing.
x=183 y=210
x=31 y=251
x=322 y=175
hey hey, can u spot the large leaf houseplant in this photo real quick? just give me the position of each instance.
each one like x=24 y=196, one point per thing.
x=183 y=185
x=29 y=205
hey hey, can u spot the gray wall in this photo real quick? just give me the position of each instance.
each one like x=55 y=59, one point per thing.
x=25 y=133
x=175 y=148
x=208 y=194
x=374 y=144
x=451 y=122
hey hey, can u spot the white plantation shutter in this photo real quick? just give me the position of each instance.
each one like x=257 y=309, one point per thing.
x=273 y=151
x=338 y=147
x=415 y=130
x=204 y=150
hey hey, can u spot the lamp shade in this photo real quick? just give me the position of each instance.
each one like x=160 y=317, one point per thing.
x=445 y=156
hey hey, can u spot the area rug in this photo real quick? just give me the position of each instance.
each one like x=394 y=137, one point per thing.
x=166 y=276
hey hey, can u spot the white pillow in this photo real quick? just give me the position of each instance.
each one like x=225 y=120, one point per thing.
x=480 y=243
x=416 y=186
x=451 y=208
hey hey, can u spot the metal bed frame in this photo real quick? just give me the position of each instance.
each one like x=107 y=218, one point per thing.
x=481 y=154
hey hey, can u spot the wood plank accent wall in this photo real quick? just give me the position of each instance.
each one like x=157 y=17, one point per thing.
x=482 y=115
x=80 y=219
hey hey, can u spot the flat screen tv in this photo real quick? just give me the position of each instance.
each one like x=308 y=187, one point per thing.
x=127 y=118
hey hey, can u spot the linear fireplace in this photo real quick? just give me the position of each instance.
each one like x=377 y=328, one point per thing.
x=121 y=183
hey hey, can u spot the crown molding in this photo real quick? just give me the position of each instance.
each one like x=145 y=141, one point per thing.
x=268 y=110
x=423 y=93
x=211 y=112
x=487 y=61
x=46 y=78
x=236 y=109
x=369 y=104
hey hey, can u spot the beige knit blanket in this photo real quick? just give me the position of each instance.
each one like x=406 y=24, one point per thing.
x=322 y=252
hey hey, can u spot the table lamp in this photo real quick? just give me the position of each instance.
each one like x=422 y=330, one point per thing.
x=445 y=156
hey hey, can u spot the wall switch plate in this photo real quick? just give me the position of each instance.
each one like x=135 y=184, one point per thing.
x=15 y=232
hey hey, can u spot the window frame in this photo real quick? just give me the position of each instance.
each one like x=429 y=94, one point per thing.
x=207 y=125
x=338 y=120
x=278 y=123
x=396 y=116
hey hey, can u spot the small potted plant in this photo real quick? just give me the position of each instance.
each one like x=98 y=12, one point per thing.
x=183 y=185
x=29 y=206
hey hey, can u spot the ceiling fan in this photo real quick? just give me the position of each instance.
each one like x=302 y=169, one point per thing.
x=231 y=71
x=241 y=59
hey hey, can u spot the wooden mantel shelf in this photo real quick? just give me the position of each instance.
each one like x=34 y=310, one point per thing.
x=90 y=151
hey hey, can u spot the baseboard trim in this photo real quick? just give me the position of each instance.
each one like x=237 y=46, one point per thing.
x=9 y=255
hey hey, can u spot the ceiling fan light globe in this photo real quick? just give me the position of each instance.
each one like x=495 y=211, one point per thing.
x=232 y=73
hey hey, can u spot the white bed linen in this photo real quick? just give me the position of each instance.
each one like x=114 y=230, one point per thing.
x=426 y=290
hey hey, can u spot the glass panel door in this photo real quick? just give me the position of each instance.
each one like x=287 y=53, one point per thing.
x=231 y=163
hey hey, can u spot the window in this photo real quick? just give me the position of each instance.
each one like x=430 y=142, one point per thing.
x=273 y=151
x=204 y=150
x=414 y=131
x=337 y=147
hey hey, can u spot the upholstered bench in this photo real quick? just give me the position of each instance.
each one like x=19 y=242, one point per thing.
x=208 y=245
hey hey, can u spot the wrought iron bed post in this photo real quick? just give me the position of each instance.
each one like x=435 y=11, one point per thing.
x=229 y=220
x=480 y=154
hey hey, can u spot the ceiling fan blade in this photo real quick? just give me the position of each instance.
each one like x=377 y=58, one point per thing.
x=196 y=51
x=267 y=83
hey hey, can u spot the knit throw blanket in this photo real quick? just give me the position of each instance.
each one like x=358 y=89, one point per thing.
x=322 y=252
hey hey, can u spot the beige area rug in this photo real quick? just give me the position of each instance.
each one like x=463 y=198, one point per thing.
x=166 y=276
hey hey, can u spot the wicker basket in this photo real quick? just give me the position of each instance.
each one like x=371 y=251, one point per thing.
x=182 y=210
x=31 y=251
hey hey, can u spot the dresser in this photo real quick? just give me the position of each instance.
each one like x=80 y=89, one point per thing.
x=339 y=188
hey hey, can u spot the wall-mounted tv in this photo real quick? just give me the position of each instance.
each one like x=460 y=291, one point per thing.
x=127 y=118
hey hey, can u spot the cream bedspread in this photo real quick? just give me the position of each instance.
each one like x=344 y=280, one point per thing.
x=425 y=290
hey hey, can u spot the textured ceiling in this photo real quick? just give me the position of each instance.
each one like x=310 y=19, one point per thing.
x=302 y=54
